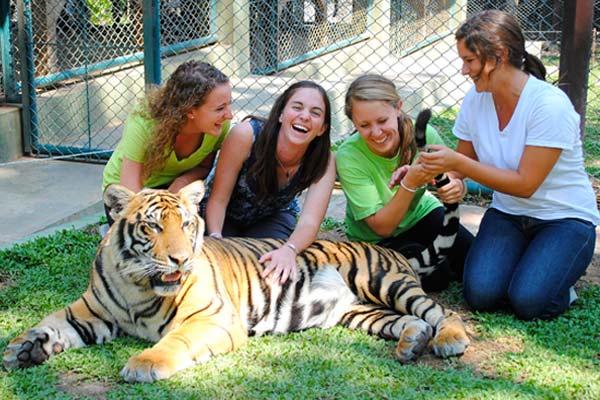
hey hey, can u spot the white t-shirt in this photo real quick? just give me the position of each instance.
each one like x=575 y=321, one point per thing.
x=544 y=116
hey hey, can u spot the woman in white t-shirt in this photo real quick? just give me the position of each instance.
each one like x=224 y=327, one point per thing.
x=519 y=136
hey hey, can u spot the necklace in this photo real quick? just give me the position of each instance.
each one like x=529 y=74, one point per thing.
x=286 y=171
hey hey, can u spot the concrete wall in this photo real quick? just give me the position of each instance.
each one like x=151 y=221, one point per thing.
x=11 y=142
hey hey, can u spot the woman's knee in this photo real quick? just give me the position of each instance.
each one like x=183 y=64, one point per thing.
x=482 y=297
x=531 y=304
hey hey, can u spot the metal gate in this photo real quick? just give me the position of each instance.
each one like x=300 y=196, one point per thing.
x=80 y=64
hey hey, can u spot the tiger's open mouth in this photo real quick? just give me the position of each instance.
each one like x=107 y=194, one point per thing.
x=172 y=279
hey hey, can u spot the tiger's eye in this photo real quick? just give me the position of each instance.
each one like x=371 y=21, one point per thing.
x=154 y=226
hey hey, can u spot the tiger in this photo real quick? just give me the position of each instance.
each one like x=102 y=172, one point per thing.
x=157 y=277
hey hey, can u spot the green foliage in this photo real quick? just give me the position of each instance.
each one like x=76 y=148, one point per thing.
x=336 y=144
x=330 y=224
x=101 y=11
x=443 y=123
x=550 y=360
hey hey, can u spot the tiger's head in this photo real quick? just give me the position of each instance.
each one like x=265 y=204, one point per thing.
x=156 y=233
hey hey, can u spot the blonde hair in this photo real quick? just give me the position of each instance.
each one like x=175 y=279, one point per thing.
x=168 y=106
x=380 y=88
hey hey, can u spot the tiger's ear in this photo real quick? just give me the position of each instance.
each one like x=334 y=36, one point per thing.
x=116 y=198
x=194 y=192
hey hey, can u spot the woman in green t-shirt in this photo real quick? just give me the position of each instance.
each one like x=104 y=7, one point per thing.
x=385 y=191
x=172 y=138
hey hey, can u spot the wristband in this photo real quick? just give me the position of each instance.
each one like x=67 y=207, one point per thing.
x=406 y=187
x=292 y=246
x=216 y=235
x=465 y=188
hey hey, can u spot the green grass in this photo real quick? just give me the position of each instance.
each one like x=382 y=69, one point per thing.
x=330 y=224
x=509 y=358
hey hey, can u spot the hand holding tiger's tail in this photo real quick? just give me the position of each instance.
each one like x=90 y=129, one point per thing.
x=438 y=159
x=452 y=191
x=423 y=118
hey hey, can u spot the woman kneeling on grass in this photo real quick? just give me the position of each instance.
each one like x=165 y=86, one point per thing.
x=519 y=136
x=172 y=138
x=262 y=168
x=387 y=202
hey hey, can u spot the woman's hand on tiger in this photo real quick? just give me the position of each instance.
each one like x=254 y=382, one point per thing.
x=281 y=265
x=452 y=192
x=180 y=182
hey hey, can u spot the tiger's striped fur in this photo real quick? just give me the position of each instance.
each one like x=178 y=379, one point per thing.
x=156 y=277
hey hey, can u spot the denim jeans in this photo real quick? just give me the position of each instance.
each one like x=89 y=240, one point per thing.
x=528 y=262
x=277 y=226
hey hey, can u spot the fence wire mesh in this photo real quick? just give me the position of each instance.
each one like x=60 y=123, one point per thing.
x=86 y=56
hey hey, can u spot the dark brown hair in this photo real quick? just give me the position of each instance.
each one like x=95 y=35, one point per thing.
x=490 y=31
x=314 y=162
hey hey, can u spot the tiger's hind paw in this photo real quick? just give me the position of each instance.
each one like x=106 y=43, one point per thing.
x=31 y=348
x=413 y=340
x=451 y=338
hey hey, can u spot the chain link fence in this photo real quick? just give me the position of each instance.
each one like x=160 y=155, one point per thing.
x=87 y=68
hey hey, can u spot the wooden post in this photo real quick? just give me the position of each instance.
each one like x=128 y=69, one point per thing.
x=575 y=52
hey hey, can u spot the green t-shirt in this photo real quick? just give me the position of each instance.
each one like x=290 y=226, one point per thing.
x=365 y=177
x=136 y=137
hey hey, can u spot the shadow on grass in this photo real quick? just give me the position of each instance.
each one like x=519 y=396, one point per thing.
x=556 y=359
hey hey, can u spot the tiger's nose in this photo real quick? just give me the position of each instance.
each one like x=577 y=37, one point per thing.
x=178 y=259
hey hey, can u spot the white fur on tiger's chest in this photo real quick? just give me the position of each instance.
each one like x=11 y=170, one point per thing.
x=325 y=292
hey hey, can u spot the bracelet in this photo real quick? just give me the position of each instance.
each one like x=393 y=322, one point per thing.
x=216 y=235
x=292 y=246
x=406 y=187
x=465 y=188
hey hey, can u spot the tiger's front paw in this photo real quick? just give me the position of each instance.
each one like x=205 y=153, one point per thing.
x=150 y=366
x=451 y=338
x=32 y=348
x=413 y=340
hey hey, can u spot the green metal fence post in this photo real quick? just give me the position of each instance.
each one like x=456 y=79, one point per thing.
x=25 y=41
x=151 y=10
x=8 y=79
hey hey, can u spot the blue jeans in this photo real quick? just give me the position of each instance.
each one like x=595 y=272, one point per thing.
x=528 y=262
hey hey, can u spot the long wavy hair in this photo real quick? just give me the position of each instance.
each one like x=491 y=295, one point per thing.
x=490 y=31
x=314 y=162
x=169 y=104
x=379 y=88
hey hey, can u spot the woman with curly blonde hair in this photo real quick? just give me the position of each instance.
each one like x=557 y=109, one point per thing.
x=172 y=138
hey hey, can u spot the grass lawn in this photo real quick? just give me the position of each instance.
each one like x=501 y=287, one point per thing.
x=508 y=358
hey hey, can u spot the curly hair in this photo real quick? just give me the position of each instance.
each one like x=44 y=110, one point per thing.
x=379 y=88
x=314 y=162
x=489 y=31
x=169 y=104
